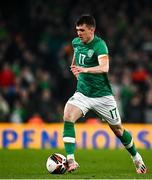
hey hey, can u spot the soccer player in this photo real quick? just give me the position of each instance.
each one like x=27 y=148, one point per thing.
x=90 y=65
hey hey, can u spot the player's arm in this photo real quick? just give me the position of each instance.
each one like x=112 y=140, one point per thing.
x=73 y=64
x=73 y=61
x=103 y=66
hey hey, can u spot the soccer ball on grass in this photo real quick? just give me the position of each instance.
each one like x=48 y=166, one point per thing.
x=56 y=164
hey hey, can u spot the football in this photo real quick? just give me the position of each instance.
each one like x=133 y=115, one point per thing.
x=56 y=164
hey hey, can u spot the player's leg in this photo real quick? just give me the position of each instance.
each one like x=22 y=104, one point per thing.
x=106 y=107
x=71 y=114
x=127 y=140
x=125 y=137
x=77 y=106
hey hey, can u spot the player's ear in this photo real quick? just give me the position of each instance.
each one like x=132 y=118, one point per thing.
x=92 y=29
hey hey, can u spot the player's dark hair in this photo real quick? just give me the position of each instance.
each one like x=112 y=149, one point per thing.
x=86 y=19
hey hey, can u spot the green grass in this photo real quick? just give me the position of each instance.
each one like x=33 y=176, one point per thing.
x=95 y=164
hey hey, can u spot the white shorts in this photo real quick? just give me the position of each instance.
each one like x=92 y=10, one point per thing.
x=105 y=107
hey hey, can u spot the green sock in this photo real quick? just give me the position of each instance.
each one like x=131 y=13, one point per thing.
x=127 y=141
x=69 y=137
x=69 y=148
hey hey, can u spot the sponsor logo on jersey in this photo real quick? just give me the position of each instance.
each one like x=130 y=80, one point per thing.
x=90 y=53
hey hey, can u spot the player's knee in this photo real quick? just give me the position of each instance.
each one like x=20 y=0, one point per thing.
x=68 y=117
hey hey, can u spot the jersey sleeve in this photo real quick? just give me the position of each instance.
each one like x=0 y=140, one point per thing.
x=74 y=41
x=101 y=48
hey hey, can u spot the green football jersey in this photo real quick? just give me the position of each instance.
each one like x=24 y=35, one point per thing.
x=86 y=55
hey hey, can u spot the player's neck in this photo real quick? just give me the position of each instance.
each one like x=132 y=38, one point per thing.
x=91 y=39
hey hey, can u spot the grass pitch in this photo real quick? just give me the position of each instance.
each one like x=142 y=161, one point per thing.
x=94 y=164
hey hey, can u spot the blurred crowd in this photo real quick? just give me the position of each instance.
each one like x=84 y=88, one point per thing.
x=35 y=55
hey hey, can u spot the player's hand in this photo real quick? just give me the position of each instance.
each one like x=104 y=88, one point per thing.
x=82 y=69
x=77 y=69
x=74 y=70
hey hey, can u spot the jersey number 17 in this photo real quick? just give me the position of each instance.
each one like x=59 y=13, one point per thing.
x=81 y=59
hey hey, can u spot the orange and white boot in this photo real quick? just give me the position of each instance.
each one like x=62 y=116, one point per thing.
x=72 y=165
x=139 y=164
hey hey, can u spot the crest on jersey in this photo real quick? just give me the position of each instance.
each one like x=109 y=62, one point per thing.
x=90 y=53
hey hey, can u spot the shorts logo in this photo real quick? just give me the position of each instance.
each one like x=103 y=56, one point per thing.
x=90 y=53
x=71 y=99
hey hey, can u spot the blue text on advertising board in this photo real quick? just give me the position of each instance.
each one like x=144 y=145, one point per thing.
x=51 y=138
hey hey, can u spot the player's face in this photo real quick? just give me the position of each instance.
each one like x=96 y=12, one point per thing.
x=85 y=33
